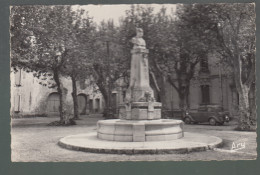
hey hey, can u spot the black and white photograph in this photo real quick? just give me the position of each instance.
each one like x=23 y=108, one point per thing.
x=133 y=82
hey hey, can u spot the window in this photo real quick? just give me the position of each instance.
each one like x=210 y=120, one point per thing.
x=17 y=100
x=18 y=77
x=82 y=84
x=205 y=96
x=97 y=101
x=30 y=100
x=204 y=66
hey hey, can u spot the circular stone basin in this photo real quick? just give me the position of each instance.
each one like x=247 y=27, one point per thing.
x=190 y=143
x=139 y=130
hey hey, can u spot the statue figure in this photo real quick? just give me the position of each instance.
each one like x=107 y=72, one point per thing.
x=138 y=41
x=139 y=78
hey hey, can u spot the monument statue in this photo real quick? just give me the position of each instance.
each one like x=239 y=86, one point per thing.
x=138 y=41
x=139 y=80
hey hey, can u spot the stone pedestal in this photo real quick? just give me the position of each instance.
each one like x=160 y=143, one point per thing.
x=139 y=78
x=140 y=111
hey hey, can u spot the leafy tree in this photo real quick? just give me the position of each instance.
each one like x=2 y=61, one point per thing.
x=178 y=44
x=40 y=43
x=235 y=35
x=231 y=29
x=175 y=49
x=78 y=63
x=110 y=65
x=192 y=47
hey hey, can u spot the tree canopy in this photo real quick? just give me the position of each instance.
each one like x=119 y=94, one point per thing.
x=51 y=42
x=230 y=28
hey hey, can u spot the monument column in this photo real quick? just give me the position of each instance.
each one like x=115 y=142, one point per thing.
x=139 y=101
x=139 y=78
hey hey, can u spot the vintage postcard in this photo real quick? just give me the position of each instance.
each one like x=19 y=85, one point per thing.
x=135 y=82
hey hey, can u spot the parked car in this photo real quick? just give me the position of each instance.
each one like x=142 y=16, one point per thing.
x=207 y=113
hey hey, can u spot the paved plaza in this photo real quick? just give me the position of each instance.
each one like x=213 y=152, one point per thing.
x=33 y=140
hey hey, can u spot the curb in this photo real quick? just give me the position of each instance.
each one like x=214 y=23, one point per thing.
x=142 y=150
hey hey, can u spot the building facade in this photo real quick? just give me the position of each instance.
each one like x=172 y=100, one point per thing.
x=212 y=85
x=29 y=97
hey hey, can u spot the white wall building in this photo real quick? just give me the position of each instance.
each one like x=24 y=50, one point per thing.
x=28 y=97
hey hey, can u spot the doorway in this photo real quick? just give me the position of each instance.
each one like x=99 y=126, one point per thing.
x=53 y=103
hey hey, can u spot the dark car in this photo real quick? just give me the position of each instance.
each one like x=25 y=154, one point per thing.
x=207 y=113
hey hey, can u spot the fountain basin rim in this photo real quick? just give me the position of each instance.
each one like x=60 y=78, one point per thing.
x=145 y=122
x=140 y=104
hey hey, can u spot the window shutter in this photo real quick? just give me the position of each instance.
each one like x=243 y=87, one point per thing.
x=17 y=100
x=18 y=78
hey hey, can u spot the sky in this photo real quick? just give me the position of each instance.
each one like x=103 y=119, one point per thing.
x=106 y=12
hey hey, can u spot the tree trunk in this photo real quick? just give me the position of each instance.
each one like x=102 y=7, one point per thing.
x=243 y=98
x=159 y=84
x=252 y=103
x=74 y=97
x=162 y=92
x=244 y=110
x=187 y=96
x=159 y=81
x=182 y=101
x=243 y=90
x=60 y=92
x=104 y=93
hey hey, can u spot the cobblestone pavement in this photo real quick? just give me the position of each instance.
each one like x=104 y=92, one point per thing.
x=34 y=141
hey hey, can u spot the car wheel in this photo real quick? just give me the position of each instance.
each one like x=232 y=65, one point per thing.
x=212 y=121
x=187 y=120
